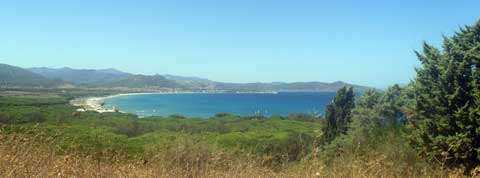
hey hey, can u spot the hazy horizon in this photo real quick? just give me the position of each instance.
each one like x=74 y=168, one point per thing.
x=368 y=43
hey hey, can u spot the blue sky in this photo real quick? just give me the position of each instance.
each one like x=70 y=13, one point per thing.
x=363 y=42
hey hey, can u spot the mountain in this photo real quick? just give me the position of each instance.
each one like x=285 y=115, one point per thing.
x=81 y=76
x=112 y=78
x=288 y=87
x=106 y=78
x=185 y=79
x=12 y=76
x=195 y=83
x=142 y=81
x=205 y=84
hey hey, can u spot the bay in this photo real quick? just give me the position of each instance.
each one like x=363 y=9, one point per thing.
x=208 y=104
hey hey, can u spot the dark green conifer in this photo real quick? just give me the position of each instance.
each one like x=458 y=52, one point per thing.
x=338 y=114
x=330 y=127
x=391 y=105
x=446 y=113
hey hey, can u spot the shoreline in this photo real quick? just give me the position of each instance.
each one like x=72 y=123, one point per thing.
x=95 y=103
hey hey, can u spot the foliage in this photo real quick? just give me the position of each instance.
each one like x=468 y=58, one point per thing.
x=392 y=105
x=446 y=116
x=304 y=117
x=30 y=101
x=97 y=133
x=366 y=128
x=338 y=114
x=366 y=117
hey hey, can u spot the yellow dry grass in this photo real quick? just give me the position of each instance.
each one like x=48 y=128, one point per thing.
x=20 y=157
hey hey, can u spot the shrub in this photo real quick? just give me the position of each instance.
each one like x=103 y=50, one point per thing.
x=446 y=120
x=338 y=114
x=35 y=117
x=304 y=117
x=5 y=119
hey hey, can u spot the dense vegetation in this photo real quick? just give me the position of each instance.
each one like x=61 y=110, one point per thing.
x=429 y=128
x=31 y=128
x=338 y=114
x=127 y=133
x=446 y=114
x=442 y=106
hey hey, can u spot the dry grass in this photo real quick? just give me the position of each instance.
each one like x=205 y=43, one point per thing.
x=20 y=157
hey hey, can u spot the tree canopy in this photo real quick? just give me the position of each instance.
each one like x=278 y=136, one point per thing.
x=338 y=114
x=446 y=114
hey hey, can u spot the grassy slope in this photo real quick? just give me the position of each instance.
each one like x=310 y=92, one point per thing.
x=47 y=138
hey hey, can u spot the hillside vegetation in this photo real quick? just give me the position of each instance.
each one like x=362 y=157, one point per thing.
x=81 y=76
x=11 y=76
x=48 y=138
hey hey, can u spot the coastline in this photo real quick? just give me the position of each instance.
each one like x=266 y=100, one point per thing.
x=96 y=104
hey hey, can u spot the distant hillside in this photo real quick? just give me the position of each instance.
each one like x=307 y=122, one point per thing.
x=143 y=81
x=289 y=87
x=196 y=83
x=185 y=79
x=201 y=83
x=12 y=76
x=107 y=78
x=112 y=78
x=81 y=76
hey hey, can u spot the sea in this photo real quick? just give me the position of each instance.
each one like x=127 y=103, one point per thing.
x=205 y=105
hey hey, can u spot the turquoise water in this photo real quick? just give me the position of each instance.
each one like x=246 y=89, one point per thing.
x=207 y=105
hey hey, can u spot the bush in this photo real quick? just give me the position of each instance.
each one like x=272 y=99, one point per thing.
x=304 y=117
x=176 y=116
x=446 y=116
x=5 y=119
x=131 y=130
x=220 y=115
x=35 y=117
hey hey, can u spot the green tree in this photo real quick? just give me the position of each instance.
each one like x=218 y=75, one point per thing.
x=392 y=104
x=330 y=126
x=446 y=91
x=369 y=99
x=338 y=114
x=365 y=117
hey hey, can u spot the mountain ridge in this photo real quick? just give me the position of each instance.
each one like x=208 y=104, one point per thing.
x=113 y=78
x=13 y=76
x=80 y=76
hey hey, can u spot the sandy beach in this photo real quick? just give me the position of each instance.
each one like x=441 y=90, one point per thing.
x=96 y=103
